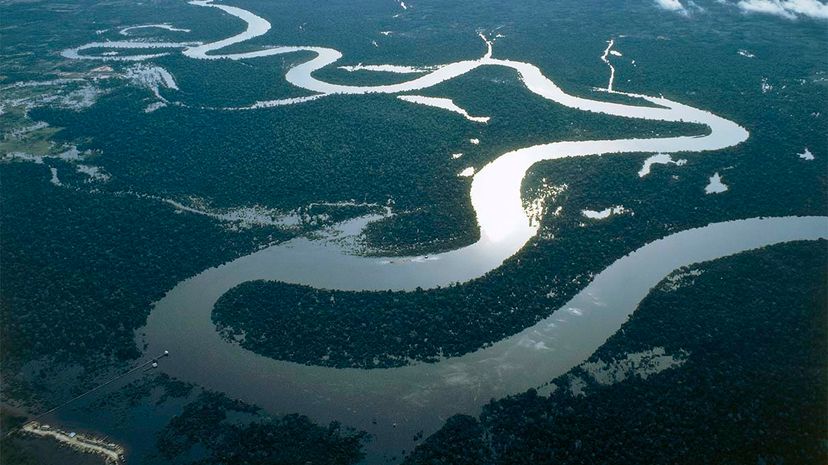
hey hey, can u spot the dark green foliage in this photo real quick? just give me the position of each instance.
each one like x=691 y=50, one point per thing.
x=370 y=329
x=82 y=265
x=287 y=440
x=377 y=148
x=371 y=148
x=12 y=453
x=80 y=270
x=136 y=392
x=461 y=441
x=10 y=421
x=752 y=390
x=765 y=176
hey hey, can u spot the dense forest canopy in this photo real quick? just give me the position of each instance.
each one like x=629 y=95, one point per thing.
x=117 y=185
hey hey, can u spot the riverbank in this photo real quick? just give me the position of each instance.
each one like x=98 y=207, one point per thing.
x=111 y=452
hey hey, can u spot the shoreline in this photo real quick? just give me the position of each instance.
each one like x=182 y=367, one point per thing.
x=111 y=452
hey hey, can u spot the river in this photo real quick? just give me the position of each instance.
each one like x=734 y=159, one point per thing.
x=394 y=404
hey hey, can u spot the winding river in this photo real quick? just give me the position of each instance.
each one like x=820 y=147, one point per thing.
x=393 y=404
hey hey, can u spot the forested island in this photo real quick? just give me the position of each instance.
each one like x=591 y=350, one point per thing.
x=368 y=329
x=118 y=184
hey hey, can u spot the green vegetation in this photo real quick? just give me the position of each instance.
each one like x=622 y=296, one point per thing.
x=288 y=440
x=765 y=176
x=196 y=426
x=10 y=450
x=138 y=391
x=372 y=148
x=752 y=389
x=82 y=263
x=36 y=141
x=80 y=271
x=460 y=441
x=367 y=329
